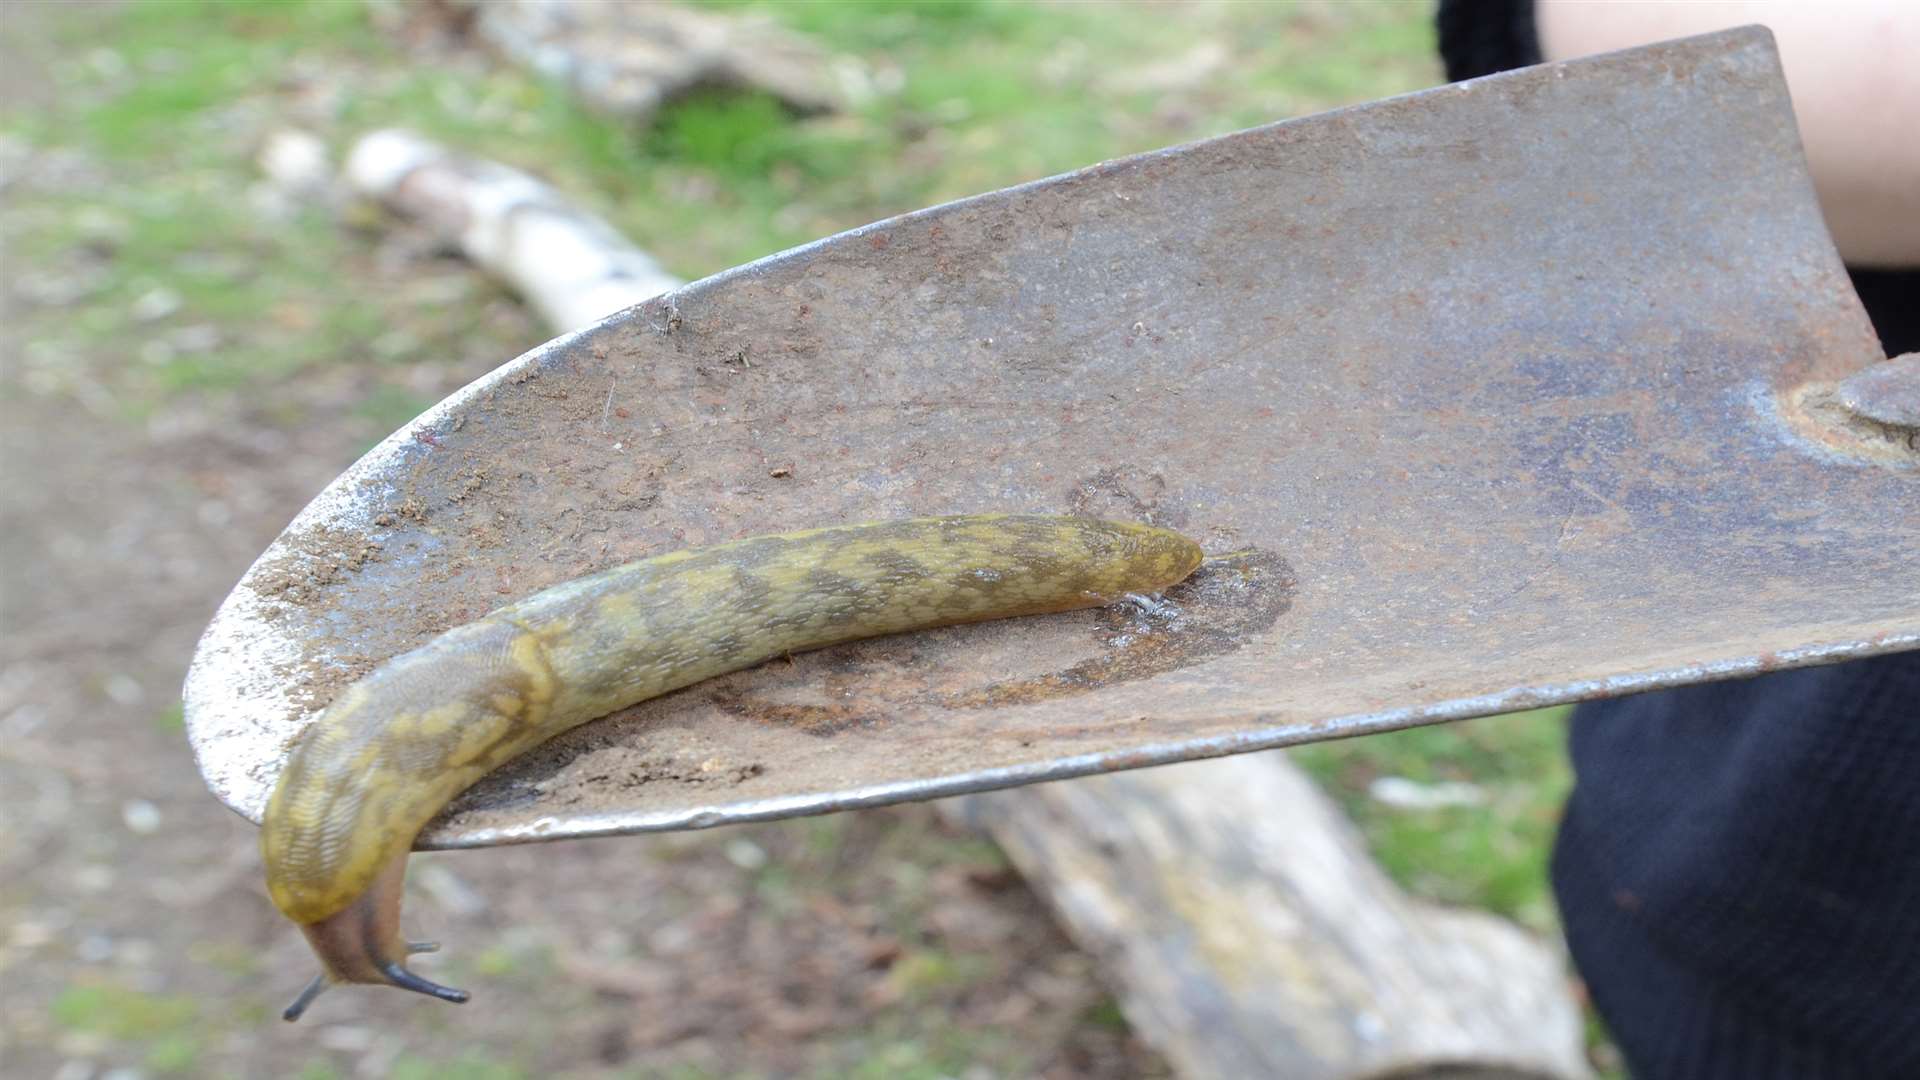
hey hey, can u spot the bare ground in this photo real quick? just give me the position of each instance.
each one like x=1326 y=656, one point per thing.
x=137 y=932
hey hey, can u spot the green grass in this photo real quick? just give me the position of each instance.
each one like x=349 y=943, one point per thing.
x=1490 y=856
x=166 y=1028
x=120 y=1013
x=892 y=1052
x=177 y=95
x=923 y=973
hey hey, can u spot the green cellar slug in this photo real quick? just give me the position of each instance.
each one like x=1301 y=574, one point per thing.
x=396 y=747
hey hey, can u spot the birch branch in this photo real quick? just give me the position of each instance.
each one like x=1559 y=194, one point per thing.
x=571 y=266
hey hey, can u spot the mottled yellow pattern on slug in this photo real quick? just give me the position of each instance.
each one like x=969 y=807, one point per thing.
x=398 y=745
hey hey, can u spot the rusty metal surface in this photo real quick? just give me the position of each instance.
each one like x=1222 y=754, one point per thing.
x=1493 y=386
x=1886 y=393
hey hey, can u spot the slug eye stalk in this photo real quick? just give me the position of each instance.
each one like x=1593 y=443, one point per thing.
x=305 y=999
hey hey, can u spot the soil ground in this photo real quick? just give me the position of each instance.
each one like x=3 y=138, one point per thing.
x=139 y=935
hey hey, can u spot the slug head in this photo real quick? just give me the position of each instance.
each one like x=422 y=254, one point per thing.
x=362 y=944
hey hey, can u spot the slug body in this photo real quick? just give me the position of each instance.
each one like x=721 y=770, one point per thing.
x=394 y=748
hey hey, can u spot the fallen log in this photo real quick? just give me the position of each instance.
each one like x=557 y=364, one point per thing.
x=571 y=266
x=629 y=59
x=1246 y=932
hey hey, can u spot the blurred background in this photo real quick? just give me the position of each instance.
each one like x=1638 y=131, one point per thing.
x=199 y=328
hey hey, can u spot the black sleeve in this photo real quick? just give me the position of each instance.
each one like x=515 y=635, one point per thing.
x=1481 y=37
x=1892 y=300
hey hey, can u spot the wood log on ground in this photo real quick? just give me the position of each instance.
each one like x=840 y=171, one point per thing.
x=1234 y=910
x=1246 y=932
x=573 y=268
x=628 y=59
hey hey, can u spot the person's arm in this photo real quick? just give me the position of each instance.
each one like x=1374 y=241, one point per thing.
x=1853 y=67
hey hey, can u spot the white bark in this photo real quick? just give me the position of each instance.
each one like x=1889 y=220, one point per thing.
x=571 y=266
x=1247 y=933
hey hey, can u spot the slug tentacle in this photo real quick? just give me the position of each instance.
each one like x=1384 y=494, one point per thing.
x=396 y=747
x=300 y=1003
x=407 y=980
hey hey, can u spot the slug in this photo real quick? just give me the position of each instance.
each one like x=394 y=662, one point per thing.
x=394 y=748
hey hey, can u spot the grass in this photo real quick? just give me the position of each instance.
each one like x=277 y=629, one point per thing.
x=937 y=1056
x=1491 y=855
x=191 y=285
x=921 y=973
x=166 y=1028
x=123 y=1014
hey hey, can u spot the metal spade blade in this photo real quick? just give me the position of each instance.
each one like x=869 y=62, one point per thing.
x=1505 y=393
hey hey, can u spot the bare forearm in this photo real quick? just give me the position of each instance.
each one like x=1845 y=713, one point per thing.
x=1854 y=69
